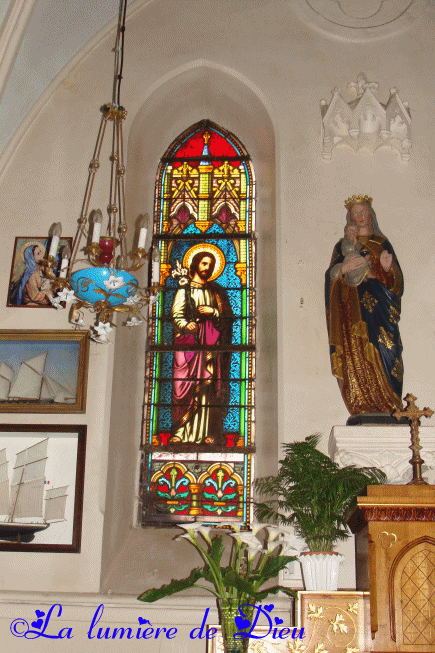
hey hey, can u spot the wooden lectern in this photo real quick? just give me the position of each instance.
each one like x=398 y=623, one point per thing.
x=395 y=560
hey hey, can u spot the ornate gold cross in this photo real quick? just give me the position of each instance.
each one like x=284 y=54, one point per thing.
x=413 y=414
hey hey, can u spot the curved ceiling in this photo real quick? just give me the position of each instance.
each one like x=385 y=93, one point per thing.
x=59 y=29
x=56 y=32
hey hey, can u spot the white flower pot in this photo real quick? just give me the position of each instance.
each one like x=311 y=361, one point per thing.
x=320 y=570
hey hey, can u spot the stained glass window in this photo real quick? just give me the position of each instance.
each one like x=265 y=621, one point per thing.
x=198 y=427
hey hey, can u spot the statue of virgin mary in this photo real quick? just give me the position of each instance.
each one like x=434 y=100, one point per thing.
x=363 y=320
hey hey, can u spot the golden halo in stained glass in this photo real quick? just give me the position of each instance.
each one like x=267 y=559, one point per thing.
x=207 y=248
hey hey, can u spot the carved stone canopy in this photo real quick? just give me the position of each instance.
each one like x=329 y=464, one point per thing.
x=365 y=122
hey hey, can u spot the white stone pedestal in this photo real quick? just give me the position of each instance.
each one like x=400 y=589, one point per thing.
x=385 y=447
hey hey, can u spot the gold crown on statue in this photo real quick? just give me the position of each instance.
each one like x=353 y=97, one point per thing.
x=358 y=199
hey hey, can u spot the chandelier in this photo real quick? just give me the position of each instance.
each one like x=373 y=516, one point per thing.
x=108 y=286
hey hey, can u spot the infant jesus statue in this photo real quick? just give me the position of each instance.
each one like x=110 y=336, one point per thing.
x=351 y=248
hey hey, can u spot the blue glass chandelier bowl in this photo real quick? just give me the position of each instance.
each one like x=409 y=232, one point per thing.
x=100 y=283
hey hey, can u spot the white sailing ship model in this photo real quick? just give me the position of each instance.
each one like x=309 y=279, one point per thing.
x=21 y=502
x=32 y=384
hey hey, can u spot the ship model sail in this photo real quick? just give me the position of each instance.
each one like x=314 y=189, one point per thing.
x=32 y=383
x=22 y=501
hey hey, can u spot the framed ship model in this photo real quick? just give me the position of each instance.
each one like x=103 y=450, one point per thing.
x=41 y=487
x=43 y=371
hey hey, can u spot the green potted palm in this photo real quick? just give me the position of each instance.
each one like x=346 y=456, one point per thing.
x=315 y=496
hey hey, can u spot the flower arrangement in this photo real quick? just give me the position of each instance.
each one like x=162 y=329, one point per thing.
x=253 y=562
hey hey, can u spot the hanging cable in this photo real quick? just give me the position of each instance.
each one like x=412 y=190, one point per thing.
x=122 y=13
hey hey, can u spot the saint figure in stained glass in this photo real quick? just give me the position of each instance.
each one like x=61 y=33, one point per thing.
x=202 y=316
x=199 y=415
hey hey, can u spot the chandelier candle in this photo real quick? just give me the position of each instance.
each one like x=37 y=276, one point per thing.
x=97 y=216
x=143 y=226
x=66 y=254
x=55 y=233
x=156 y=265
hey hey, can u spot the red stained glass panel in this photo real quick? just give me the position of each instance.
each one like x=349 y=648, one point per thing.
x=194 y=146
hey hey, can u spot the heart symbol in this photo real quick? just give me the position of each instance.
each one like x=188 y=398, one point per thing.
x=39 y=613
x=141 y=620
x=242 y=623
x=278 y=621
x=269 y=608
x=37 y=624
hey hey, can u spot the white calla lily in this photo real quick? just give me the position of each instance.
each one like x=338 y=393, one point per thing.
x=256 y=528
x=274 y=533
x=271 y=546
x=288 y=549
x=183 y=536
x=193 y=529
x=253 y=550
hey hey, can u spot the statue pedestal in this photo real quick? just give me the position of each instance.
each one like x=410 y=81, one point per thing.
x=385 y=447
x=395 y=560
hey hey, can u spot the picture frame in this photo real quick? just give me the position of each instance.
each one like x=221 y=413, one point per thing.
x=33 y=515
x=267 y=644
x=43 y=371
x=27 y=286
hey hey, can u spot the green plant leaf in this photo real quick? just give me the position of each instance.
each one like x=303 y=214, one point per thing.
x=260 y=596
x=232 y=579
x=313 y=494
x=272 y=567
x=172 y=588
x=216 y=550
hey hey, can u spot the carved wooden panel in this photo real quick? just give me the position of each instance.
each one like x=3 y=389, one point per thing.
x=413 y=599
x=401 y=562
x=335 y=622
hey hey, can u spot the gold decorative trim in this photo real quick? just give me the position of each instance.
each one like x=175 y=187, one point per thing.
x=357 y=199
x=369 y=302
x=396 y=514
x=387 y=539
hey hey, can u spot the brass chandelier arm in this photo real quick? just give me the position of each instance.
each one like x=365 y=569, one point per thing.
x=141 y=255
x=93 y=167
x=122 y=228
x=93 y=251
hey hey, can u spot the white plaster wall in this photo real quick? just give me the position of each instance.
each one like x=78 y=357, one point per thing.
x=119 y=611
x=281 y=69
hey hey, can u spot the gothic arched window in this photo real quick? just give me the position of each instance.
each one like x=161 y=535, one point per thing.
x=198 y=428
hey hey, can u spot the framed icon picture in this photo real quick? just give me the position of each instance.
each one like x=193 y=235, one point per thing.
x=27 y=286
x=43 y=371
x=41 y=487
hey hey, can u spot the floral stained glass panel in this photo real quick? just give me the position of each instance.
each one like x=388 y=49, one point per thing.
x=200 y=374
